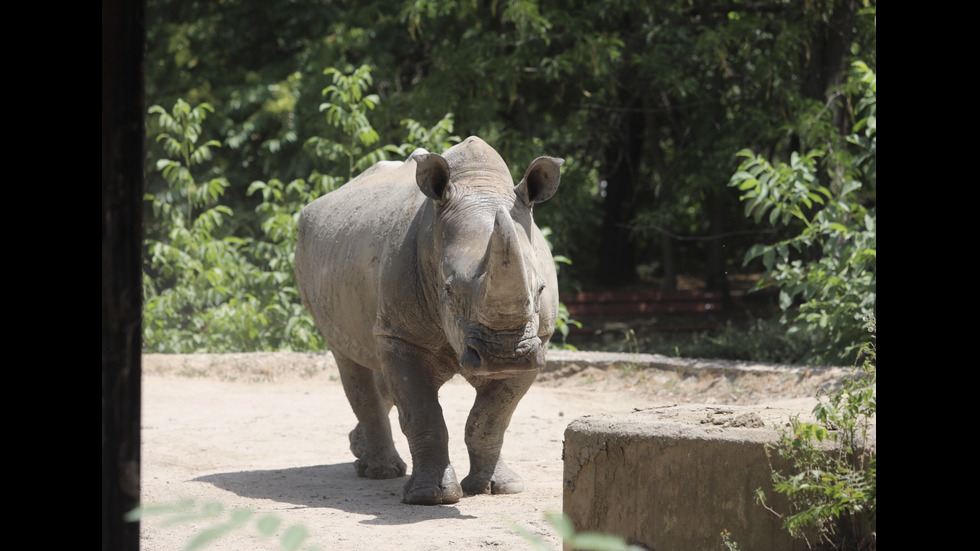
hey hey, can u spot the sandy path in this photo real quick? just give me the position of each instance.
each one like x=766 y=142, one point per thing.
x=280 y=447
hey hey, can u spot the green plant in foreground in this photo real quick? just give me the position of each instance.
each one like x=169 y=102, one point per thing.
x=220 y=522
x=580 y=541
x=831 y=476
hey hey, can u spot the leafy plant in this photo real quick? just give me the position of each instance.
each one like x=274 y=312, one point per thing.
x=830 y=478
x=580 y=541
x=220 y=522
x=193 y=263
x=274 y=255
x=436 y=139
x=207 y=289
x=564 y=321
x=726 y=539
x=826 y=270
x=346 y=110
x=213 y=284
x=755 y=339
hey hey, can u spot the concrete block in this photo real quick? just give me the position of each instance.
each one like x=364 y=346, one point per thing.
x=673 y=478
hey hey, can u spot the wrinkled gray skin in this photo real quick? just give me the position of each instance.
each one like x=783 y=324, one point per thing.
x=420 y=270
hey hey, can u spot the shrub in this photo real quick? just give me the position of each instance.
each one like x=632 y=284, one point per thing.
x=211 y=283
x=832 y=489
x=826 y=270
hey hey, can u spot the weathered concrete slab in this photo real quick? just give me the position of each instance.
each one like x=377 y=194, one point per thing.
x=673 y=478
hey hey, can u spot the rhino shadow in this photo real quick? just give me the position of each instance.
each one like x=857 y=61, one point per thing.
x=333 y=487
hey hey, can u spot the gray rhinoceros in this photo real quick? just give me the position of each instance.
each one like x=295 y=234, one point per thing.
x=416 y=271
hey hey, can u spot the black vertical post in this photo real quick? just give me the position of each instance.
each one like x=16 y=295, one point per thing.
x=123 y=36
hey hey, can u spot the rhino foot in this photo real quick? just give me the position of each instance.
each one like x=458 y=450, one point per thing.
x=503 y=481
x=380 y=468
x=358 y=446
x=424 y=490
x=376 y=464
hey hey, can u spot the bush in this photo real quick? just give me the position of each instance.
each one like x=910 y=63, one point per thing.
x=826 y=270
x=205 y=288
x=832 y=490
x=208 y=288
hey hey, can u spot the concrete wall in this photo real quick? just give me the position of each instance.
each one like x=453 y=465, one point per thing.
x=674 y=478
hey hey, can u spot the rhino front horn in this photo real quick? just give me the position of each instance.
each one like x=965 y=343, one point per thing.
x=505 y=294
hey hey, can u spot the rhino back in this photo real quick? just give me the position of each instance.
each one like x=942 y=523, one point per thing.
x=344 y=237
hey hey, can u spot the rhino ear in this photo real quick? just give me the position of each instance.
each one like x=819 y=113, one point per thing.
x=431 y=174
x=540 y=181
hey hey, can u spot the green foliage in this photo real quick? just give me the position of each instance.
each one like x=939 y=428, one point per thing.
x=346 y=110
x=210 y=288
x=219 y=522
x=729 y=543
x=531 y=77
x=580 y=541
x=826 y=269
x=564 y=321
x=697 y=80
x=436 y=139
x=753 y=339
x=830 y=479
x=357 y=143
x=205 y=288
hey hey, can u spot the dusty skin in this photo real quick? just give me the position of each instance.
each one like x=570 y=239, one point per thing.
x=268 y=433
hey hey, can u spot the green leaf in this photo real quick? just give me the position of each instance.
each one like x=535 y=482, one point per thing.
x=294 y=537
x=205 y=537
x=267 y=525
x=748 y=183
x=562 y=524
x=594 y=541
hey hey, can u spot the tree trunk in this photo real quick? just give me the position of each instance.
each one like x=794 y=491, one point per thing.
x=715 y=278
x=617 y=259
x=669 y=263
x=828 y=53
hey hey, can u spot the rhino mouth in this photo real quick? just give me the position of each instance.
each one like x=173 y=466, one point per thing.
x=495 y=358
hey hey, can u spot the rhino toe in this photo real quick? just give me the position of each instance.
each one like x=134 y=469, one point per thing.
x=431 y=495
x=512 y=486
x=386 y=466
x=503 y=481
x=434 y=489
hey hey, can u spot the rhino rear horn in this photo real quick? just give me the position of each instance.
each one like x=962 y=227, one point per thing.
x=540 y=181
x=431 y=174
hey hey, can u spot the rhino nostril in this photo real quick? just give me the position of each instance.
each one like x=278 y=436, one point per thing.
x=471 y=359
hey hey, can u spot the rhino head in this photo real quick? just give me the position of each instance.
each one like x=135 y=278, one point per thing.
x=494 y=277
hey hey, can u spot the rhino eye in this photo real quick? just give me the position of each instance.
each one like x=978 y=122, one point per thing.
x=448 y=287
x=541 y=287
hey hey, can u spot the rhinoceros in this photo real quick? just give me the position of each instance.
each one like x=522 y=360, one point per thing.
x=419 y=270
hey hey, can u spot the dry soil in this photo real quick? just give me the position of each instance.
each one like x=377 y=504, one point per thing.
x=267 y=434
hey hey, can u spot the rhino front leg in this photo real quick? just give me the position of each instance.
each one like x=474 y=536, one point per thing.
x=496 y=400
x=413 y=377
x=370 y=441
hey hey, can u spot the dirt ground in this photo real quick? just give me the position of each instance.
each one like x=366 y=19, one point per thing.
x=267 y=433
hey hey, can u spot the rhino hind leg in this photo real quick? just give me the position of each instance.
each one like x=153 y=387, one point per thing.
x=370 y=441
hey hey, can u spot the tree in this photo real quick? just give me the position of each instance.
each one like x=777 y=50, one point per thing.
x=648 y=103
x=826 y=269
